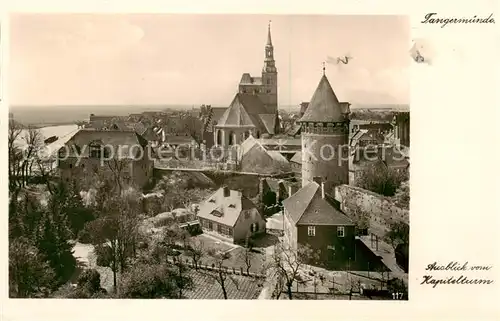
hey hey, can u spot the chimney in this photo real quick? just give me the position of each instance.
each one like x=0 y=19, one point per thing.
x=226 y=190
x=320 y=182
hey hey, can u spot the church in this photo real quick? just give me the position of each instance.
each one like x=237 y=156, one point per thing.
x=254 y=109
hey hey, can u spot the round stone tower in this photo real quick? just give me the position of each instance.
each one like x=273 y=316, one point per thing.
x=325 y=138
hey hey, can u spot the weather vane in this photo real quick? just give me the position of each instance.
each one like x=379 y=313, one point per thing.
x=324 y=68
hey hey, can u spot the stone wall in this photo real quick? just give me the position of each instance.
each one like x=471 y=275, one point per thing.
x=376 y=210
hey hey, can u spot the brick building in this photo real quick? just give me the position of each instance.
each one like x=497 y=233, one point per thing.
x=325 y=135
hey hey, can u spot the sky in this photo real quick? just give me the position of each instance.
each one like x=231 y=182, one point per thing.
x=91 y=59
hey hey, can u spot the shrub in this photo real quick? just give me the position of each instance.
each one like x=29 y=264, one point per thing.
x=104 y=255
x=84 y=237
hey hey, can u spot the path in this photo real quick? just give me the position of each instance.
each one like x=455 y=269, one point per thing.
x=84 y=254
x=386 y=253
x=271 y=277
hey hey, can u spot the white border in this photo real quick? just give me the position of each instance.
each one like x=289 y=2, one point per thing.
x=454 y=207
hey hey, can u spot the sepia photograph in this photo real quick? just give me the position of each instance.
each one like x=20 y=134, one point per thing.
x=209 y=156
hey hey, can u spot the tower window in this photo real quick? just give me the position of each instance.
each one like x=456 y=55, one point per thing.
x=269 y=81
x=268 y=91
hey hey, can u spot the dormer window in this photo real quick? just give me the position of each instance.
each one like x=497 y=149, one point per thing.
x=216 y=213
x=211 y=200
x=232 y=206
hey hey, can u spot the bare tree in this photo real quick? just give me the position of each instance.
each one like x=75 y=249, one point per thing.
x=221 y=275
x=205 y=116
x=288 y=263
x=117 y=230
x=34 y=142
x=196 y=251
x=247 y=255
x=118 y=168
x=15 y=155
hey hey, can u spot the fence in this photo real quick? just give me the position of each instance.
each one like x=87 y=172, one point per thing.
x=351 y=284
x=206 y=267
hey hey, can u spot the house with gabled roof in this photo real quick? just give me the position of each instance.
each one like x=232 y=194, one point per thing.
x=106 y=152
x=255 y=158
x=313 y=218
x=231 y=214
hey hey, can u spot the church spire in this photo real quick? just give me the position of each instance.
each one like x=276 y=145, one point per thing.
x=269 y=64
x=269 y=42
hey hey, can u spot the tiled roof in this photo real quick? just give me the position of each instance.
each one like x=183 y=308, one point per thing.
x=236 y=115
x=309 y=208
x=278 y=157
x=253 y=104
x=118 y=139
x=280 y=141
x=324 y=105
x=294 y=130
x=269 y=120
x=392 y=158
x=178 y=139
x=151 y=134
x=218 y=112
x=366 y=135
x=280 y=162
x=297 y=158
x=274 y=184
x=230 y=207
x=248 y=110
x=246 y=79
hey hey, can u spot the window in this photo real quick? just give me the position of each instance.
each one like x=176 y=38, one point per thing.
x=209 y=225
x=340 y=231
x=95 y=151
x=247 y=215
x=70 y=165
x=254 y=227
x=311 y=231
x=219 y=228
x=269 y=81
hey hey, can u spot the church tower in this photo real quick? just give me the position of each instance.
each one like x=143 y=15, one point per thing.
x=325 y=137
x=269 y=90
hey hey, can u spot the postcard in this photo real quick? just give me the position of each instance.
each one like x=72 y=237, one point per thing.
x=157 y=157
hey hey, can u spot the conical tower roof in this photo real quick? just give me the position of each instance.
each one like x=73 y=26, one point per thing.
x=324 y=105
